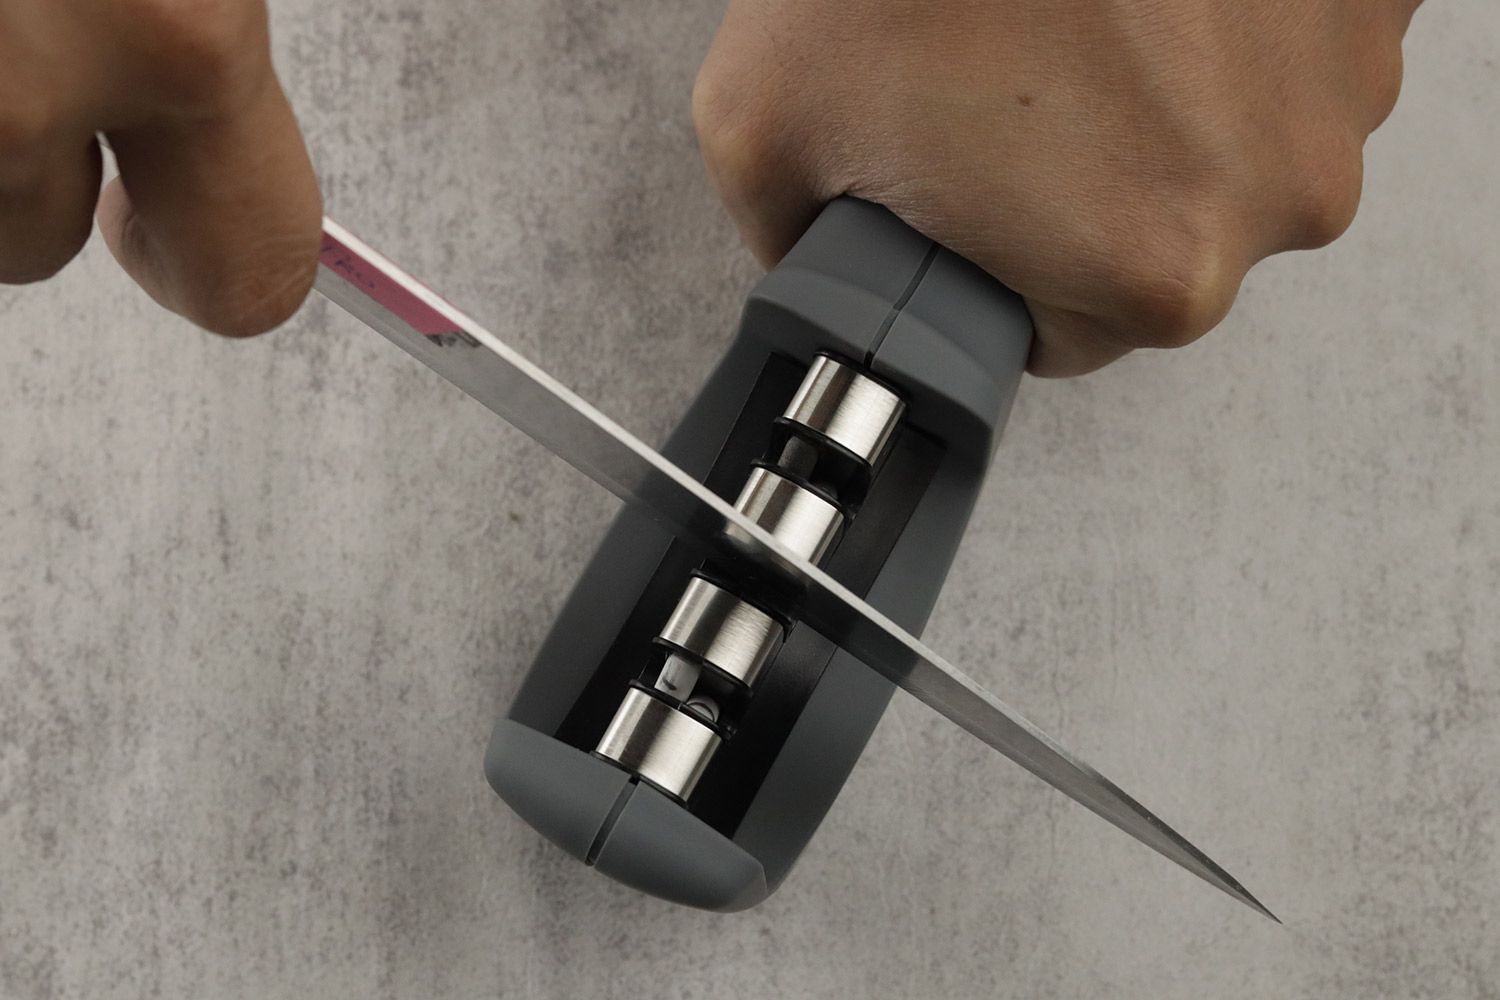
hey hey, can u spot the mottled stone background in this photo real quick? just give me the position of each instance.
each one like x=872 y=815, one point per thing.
x=260 y=601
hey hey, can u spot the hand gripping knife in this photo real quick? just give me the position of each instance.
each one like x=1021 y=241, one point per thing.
x=678 y=730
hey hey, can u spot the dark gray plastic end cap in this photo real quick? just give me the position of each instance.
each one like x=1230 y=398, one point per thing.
x=566 y=794
x=659 y=847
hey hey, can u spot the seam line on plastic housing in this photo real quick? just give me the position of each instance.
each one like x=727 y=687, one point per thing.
x=900 y=303
x=608 y=826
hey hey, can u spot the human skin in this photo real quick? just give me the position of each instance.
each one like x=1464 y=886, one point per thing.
x=216 y=212
x=1119 y=163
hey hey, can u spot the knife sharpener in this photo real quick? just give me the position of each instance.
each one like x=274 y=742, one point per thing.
x=679 y=730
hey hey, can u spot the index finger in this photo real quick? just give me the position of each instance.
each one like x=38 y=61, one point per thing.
x=219 y=218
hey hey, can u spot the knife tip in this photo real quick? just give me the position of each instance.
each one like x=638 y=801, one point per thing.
x=1243 y=895
x=1263 y=911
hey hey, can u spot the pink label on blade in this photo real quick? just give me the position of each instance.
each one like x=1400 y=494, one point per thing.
x=411 y=310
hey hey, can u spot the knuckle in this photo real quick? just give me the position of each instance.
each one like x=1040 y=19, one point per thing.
x=734 y=129
x=1175 y=290
x=712 y=105
x=26 y=122
x=1326 y=197
x=1385 y=85
x=205 y=53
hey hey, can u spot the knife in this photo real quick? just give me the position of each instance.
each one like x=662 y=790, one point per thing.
x=388 y=300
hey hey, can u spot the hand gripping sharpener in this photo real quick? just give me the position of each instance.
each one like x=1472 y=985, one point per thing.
x=679 y=730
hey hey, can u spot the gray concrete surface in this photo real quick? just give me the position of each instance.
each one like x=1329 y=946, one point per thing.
x=259 y=602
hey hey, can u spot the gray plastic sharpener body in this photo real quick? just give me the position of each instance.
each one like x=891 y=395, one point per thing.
x=927 y=352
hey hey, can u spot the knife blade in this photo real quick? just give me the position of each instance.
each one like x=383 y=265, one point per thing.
x=382 y=296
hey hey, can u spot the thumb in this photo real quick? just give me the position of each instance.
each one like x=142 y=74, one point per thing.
x=218 y=220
